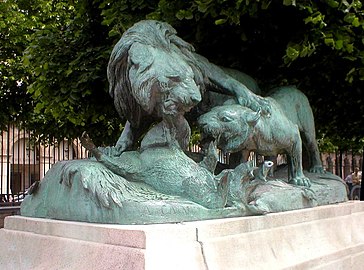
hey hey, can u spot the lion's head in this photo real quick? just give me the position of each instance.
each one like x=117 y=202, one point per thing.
x=152 y=73
x=230 y=125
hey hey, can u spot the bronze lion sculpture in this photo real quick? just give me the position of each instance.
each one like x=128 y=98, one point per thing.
x=153 y=73
x=238 y=128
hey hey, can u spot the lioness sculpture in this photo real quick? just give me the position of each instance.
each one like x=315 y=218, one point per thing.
x=153 y=73
x=238 y=128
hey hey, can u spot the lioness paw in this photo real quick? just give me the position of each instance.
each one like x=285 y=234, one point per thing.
x=300 y=181
x=317 y=169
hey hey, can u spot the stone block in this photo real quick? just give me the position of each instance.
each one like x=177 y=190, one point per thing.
x=324 y=237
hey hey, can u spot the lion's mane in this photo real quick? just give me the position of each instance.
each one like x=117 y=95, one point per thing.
x=130 y=102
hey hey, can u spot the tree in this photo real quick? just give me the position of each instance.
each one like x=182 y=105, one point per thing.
x=67 y=57
x=63 y=61
x=15 y=26
x=316 y=45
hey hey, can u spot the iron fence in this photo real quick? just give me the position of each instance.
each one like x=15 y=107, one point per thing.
x=23 y=162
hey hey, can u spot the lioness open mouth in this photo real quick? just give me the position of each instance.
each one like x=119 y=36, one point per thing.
x=208 y=137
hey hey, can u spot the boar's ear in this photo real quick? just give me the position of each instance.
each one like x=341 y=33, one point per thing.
x=252 y=118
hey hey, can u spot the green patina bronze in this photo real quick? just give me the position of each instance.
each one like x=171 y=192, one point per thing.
x=154 y=73
x=156 y=79
x=238 y=128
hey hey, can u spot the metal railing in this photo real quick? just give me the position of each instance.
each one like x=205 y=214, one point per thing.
x=23 y=162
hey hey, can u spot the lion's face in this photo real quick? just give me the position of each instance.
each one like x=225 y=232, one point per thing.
x=162 y=81
x=230 y=125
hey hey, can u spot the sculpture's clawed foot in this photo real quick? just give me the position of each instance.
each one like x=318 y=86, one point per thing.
x=262 y=105
x=265 y=108
x=300 y=181
x=317 y=169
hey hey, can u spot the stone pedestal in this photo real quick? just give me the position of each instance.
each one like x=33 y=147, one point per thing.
x=325 y=237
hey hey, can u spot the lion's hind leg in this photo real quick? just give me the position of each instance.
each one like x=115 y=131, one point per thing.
x=308 y=134
x=295 y=171
x=313 y=153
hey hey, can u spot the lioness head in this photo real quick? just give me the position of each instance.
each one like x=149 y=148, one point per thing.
x=230 y=125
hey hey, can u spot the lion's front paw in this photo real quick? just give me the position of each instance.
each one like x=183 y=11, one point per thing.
x=265 y=107
x=300 y=181
x=317 y=169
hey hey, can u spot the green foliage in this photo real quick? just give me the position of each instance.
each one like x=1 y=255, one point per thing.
x=64 y=61
x=326 y=146
x=15 y=25
x=334 y=26
x=317 y=45
x=195 y=137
